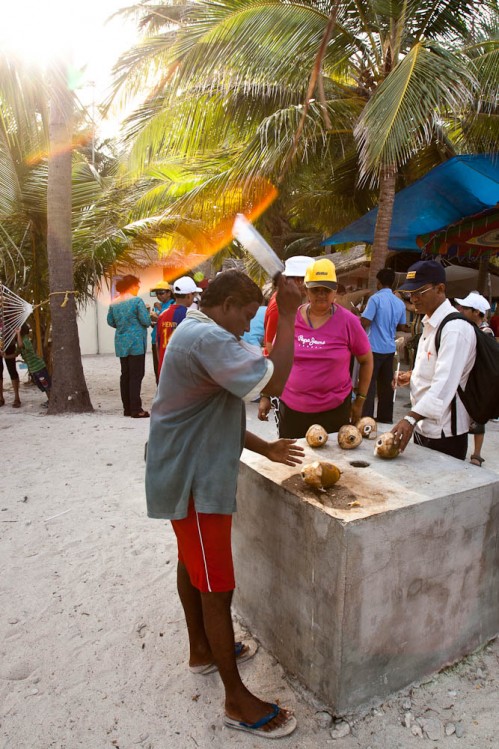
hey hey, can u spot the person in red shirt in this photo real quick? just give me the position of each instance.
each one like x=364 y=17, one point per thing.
x=295 y=268
x=494 y=322
x=183 y=291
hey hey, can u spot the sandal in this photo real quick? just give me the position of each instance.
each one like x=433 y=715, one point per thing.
x=16 y=404
x=141 y=415
x=476 y=460
x=243 y=652
x=257 y=728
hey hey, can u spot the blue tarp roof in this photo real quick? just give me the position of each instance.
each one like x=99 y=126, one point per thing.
x=460 y=187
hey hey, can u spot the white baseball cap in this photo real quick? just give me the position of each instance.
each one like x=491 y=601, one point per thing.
x=297 y=266
x=185 y=285
x=474 y=300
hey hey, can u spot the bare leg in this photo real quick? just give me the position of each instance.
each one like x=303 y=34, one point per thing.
x=477 y=451
x=211 y=638
x=240 y=704
x=190 y=598
x=15 y=388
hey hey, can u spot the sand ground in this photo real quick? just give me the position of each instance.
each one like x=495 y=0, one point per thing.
x=93 y=649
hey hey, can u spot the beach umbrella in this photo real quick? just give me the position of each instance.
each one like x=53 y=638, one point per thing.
x=471 y=237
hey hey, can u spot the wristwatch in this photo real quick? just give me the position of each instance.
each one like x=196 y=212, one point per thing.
x=412 y=421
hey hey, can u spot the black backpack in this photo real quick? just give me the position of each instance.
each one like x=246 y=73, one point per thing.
x=480 y=397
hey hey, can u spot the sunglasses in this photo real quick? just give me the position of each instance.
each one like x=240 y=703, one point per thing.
x=416 y=294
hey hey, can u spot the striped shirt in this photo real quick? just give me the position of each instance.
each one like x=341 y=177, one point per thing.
x=33 y=361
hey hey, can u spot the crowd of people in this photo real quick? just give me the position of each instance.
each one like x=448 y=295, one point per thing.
x=310 y=359
x=315 y=362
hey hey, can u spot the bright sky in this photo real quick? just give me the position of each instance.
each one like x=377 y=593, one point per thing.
x=37 y=30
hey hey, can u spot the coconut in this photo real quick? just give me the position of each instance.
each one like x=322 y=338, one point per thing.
x=349 y=437
x=367 y=427
x=316 y=436
x=387 y=446
x=320 y=474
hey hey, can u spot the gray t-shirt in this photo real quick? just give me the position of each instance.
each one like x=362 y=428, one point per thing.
x=198 y=419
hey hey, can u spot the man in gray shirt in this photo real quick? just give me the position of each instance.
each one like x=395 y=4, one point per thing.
x=196 y=438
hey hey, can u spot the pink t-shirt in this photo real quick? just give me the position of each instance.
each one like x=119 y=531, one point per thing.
x=320 y=377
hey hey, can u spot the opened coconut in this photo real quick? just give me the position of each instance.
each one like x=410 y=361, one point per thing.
x=320 y=474
x=316 y=436
x=367 y=427
x=387 y=446
x=349 y=437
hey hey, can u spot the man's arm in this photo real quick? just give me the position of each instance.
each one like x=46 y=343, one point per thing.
x=402 y=323
x=281 y=451
x=281 y=356
x=369 y=313
x=455 y=347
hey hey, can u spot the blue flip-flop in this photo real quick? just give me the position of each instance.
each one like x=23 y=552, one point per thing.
x=284 y=729
x=243 y=650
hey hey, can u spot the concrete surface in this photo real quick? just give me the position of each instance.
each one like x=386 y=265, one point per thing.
x=358 y=601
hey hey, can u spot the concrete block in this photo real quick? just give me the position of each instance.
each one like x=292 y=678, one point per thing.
x=360 y=600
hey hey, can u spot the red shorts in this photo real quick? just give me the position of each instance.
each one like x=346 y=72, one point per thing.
x=204 y=548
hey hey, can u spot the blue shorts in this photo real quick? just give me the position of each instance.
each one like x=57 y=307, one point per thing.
x=42 y=380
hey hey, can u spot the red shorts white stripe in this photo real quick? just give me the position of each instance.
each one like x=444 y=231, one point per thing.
x=204 y=548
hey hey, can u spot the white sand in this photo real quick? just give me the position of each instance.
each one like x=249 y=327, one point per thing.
x=93 y=649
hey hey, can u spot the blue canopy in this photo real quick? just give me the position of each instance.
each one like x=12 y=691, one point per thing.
x=460 y=187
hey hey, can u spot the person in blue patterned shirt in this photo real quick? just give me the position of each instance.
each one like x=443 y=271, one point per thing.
x=129 y=315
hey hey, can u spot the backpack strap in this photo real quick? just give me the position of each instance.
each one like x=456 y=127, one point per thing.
x=438 y=335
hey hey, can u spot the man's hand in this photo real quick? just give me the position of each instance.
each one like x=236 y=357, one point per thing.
x=403 y=433
x=285 y=451
x=288 y=296
x=264 y=407
x=402 y=379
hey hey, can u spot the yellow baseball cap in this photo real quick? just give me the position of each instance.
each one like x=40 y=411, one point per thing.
x=321 y=273
x=161 y=286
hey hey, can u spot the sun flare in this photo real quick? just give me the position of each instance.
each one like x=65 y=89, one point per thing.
x=39 y=31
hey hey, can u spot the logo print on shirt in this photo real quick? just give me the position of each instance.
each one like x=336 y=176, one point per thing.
x=310 y=342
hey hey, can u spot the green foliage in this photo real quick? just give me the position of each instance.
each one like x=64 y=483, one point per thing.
x=403 y=82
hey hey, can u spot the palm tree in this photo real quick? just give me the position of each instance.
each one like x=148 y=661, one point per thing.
x=69 y=390
x=230 y=79
x=94 y=225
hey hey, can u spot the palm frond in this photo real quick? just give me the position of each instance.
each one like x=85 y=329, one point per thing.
x=400 y=117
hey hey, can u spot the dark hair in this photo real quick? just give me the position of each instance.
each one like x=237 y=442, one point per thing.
x=125 y=283
x=25 y=329
x=234 y=284
x=386 y=277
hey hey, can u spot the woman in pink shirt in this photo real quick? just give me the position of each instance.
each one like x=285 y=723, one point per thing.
x=319 y=387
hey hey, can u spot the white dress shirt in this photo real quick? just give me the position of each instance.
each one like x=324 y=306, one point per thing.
x=435 y=379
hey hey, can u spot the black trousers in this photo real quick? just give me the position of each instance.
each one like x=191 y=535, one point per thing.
x=456 y=447
x=381 y=383
x=294 y=424
x=9 y=363
x=132 y=374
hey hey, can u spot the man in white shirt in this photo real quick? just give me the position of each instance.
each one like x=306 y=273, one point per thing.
x=436 y=377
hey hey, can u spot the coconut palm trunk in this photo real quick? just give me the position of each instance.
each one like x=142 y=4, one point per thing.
x=383 y=223
x=69 y=389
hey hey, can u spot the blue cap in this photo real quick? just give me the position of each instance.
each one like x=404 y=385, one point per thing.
x=422 y=273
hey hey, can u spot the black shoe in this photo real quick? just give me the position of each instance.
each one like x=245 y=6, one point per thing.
x=140 y=415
